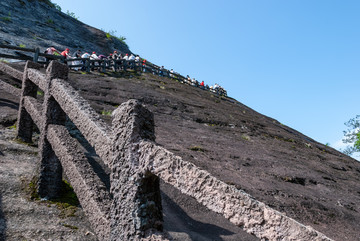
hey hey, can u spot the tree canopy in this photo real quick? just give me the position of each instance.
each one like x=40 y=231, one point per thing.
x=352 y=135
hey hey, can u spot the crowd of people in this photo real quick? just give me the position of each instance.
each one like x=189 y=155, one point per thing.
x=77 y=58
x=124 y=61
x=215 y=89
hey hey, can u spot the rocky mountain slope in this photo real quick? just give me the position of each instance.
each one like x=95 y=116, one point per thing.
x=33 y=23
x=310 y=182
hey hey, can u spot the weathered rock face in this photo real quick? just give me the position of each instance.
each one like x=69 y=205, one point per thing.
x=35 y=23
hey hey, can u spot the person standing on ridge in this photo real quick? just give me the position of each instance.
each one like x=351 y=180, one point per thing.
x=66 y=53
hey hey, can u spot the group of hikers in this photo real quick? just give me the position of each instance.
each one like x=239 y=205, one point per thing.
x=124 y=61
x=215 y=89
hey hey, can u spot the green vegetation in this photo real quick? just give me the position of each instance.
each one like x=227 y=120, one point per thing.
x=20 y=141
x=280 y=138
x=67 y=203
x=22 y=45
x=57 y=6
x=31 y=189
x=352 y=135
x=71 y=14
x=70 y=226
x=16 y=86
x=112 y=34
x=48 y=2
x=7 y=18
x=49 y=21
x=308 y=145
x=197 y=148
x=12 y=127
x=245 y=137
x=106 y=112
x=39 y=92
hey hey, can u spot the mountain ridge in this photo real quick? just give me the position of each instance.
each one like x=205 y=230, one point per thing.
x=39 y=24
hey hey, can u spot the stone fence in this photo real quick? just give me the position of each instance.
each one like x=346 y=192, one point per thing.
x=131 y=209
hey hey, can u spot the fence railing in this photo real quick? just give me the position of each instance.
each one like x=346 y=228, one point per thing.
x=88 y=64
x=131 y=209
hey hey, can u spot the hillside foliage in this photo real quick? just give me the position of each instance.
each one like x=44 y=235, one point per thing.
x=352 y=135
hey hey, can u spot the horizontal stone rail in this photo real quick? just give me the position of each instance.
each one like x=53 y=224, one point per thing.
x=84 y=117
x=92 y=193
x=9 y=88
x=11 y=71
x=33 y=106
x=37 y=78
x=235 y=205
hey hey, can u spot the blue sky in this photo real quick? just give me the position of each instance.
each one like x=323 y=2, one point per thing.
x=297 y=61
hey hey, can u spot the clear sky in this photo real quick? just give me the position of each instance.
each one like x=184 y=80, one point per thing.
x=297 y=61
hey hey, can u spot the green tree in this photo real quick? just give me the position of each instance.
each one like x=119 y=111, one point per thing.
x=352 y=135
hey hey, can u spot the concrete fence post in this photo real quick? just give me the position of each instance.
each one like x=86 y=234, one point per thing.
x=25 y=124
x=50 y=178
x=103 y=66
x=115 y=65
x=87 y=65
x=136 y=210
x=36 y=55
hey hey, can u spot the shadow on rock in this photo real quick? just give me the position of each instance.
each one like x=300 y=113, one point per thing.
x=9 y=103
x=176 y=220
x=2 y=222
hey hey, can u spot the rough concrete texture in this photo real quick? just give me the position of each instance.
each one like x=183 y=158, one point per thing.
x=37 y=78
x=11 y=71
x=28 y=88
x=84 y=117
x=57 y=70
x=241 y=209
x=91 y=192
x=49 y=185
x=136 y=211
x=9 y=88
x=34 y=108
x=14 y=73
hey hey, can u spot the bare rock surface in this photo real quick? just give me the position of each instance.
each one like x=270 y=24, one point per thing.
x=21 y=218
x=33 y=24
